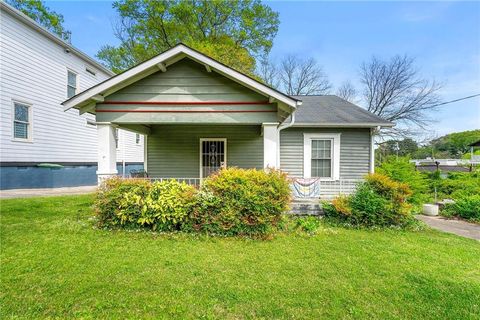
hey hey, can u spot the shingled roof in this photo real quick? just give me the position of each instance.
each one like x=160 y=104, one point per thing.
x=333 y=111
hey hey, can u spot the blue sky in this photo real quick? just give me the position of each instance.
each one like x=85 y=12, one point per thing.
x=443 y=36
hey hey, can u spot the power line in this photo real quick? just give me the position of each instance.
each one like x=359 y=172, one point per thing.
x=460 y=99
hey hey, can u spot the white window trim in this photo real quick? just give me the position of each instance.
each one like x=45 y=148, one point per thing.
x=30 y=121
x=77 y=82
x=307 y=154
x=200 y=151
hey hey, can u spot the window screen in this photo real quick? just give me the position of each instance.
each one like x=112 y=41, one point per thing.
x=322 y=158
x=71 y=84
x=21 y=121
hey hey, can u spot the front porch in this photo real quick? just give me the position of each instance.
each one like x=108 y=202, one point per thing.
x=193 y=152
x=189 y=153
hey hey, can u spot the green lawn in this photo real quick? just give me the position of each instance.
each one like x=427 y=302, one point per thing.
x=55 y=264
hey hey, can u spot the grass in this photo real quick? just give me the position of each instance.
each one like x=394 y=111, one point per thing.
x=54 y=264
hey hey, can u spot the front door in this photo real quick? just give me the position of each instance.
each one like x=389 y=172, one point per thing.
x=213 y=156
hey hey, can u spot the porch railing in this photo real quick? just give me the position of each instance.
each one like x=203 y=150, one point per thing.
x=323 y=189
x=196 y=182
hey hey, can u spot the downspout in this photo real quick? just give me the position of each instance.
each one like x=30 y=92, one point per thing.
x=373 y=131
x=280 y=128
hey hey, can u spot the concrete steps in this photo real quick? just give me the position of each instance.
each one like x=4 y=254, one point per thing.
x=306 y=207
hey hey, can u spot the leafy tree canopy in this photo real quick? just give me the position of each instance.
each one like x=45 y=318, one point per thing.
x=401 y=148
x=233 y=32
x=37 y=11
x=456 y=144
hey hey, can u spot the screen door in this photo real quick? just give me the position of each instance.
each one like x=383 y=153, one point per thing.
x=213 y=155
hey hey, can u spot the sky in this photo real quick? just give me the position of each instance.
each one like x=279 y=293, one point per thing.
x=444 y=38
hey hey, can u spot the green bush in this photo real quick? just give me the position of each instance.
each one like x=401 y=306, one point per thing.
x=379 y=201
x=456 y=185
x=401 y=170
x=231 y=202
x=240 y=202
x=467 y=207
x=308 y=224
x=162 y=206
x=109 y=195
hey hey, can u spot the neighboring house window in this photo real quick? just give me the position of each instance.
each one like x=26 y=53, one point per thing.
x=116 y=138
x=22 y=121
x=321 y=156
x=137 y=138
x=71 y=84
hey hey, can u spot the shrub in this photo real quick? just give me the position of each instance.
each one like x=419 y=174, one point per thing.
x=401 y=170
x=231 y=202
x=379 y=201
x=240 y=202
x=467 y=207
x=308 y=224
x=109 y=195
x=140 y=204
x=457 y=184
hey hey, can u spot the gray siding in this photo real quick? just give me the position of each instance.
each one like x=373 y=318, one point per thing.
x=354 y=151
x=187 y=81
x=173 y=150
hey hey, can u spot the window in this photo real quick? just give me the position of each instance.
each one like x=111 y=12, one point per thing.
x=321 y=156
x=137 y=138
x=22 y=121
x=71 y=84
x=116 y=138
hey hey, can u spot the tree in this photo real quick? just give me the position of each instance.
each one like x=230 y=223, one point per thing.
x=36 y=10
x=234 y=32
x=402 y=148
x=347 y=91
x=456 y=144
x=395 y=91
x=299 y=76
x=268 y=72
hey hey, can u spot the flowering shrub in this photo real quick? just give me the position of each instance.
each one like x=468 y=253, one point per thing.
x=231 y=202
x=379 y=201
x=240 y=202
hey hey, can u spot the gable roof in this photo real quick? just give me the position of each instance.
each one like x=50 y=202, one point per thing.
x=333 y=111
x=161 y=62
x=20 y=16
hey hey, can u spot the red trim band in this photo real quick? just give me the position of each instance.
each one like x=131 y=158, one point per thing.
x=185 y=111
x=172 y=103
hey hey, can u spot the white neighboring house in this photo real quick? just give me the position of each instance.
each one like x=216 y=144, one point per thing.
x=38 y=71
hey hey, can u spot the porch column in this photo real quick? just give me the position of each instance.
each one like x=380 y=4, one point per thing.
x=107 y=151
x=270 y=144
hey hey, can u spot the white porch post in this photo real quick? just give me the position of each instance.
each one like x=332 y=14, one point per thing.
x=107 y=153
x=270 y=144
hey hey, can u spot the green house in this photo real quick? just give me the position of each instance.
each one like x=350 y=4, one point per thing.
x=199 y=115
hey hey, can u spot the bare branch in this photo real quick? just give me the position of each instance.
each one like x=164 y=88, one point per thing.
x=302 y=76
x=394 y=91
x=347 y=91
x=268 y=71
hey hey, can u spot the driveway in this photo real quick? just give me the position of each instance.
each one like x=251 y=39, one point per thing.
x=458 y=227
x=27 y=193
